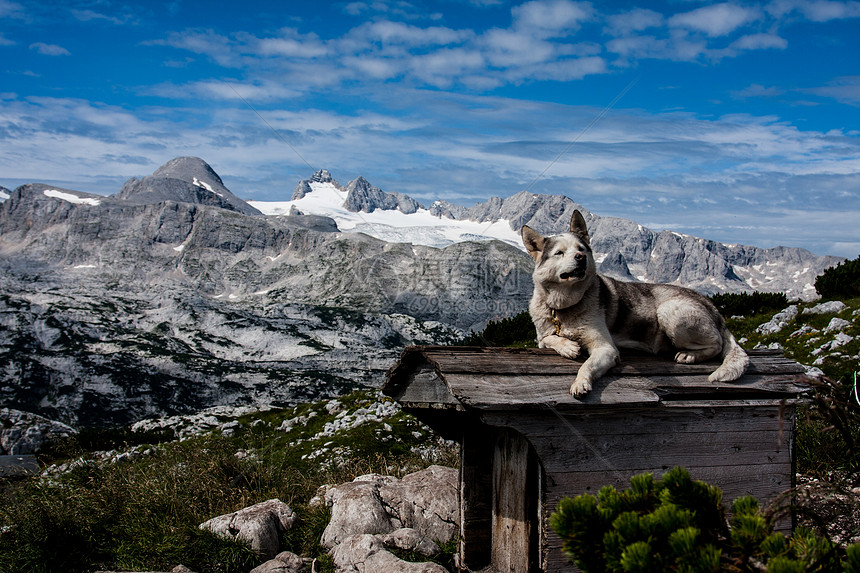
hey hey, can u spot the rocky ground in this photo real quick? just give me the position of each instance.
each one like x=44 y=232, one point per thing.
x=830 y=505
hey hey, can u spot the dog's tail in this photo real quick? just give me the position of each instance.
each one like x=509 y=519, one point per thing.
x=735 y=360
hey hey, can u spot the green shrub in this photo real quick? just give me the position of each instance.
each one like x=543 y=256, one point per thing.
x=748 y=304
x=679 y=524
x=518 y=331
x=840 y=281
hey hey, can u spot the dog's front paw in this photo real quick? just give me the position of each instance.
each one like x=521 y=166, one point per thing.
x=566 y=347
x=685 y=358
x=580 y=387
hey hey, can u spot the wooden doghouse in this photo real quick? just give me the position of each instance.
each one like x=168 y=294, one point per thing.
x=526 y=443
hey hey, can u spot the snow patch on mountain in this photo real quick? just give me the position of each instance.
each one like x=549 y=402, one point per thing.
x=204 y=185
x=420 y=228
x=71 y=198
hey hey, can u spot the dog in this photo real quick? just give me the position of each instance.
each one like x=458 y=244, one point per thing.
x=575 y=308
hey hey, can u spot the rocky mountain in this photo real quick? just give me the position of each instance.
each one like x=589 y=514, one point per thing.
x=93 y=353
x=625 y=249
x=360 y=195
x=185 y=179
x=114 y=308
x=175 y=295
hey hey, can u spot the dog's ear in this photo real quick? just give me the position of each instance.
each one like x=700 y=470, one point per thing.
x=578 y=228
x=533 y=241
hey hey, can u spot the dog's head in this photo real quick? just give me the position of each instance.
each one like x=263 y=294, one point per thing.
x=565 y=258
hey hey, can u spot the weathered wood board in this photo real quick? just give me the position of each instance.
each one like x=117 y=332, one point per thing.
x=526 y=442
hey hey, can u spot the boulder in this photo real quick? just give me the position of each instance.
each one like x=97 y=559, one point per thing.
x=284 y=562
x=830 y=307
x=779 y=321
x=259 y=526
x=365 y=553
x=24 y=433
x=425 y=501
x=408 y=539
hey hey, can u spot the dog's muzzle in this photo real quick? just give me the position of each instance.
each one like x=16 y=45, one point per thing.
x=578 y=271
x=574 y=274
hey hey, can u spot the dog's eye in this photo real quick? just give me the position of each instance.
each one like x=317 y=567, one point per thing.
x=559 y=253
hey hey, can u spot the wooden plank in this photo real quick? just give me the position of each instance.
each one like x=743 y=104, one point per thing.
x=764 y=481
x=625 y=451
x=511 y=527
x=425 y=386
x=513 y=393
x=546 y=361
x=513 y=378
x=645 y=421
x=497 y=392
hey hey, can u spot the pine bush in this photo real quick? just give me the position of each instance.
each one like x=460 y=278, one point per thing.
x=748 y=304
x=679 y=524
x=517 y=330
x=843 y=280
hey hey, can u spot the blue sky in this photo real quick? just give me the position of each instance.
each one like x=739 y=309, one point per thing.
x=736 y=121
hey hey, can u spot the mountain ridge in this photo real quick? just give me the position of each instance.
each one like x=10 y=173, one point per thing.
x=116 y=308
x=624 y=248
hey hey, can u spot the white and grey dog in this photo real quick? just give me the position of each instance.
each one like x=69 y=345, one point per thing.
x=573 y=307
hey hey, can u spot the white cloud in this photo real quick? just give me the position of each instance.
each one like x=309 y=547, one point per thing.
x=91 y=15
x=636 y=20
x=815 y=10
x=49 y=49
x=548 y=18
x=224 y=90
x=758 y=90
x=759 y=42
x=677 y=47
x=845 y=90
x=292 y=45
x=218 y=47
x=10 y=9
x=715 y=20
x=397 y=33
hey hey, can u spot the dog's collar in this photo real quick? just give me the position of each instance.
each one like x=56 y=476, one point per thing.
x=555 y=321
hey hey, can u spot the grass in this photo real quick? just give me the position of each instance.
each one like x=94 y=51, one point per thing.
x=143 y=513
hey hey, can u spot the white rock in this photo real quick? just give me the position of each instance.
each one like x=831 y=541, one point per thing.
x=831 y=307
x=779 y=321
x=284 y=562
x=259 y=526
x=408 y=539
x=426 y=501
x=365 y=553
x=837 y=324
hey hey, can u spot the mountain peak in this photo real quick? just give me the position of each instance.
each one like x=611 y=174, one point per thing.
x=321 y=176
x=186 y=180
x=187 y=169
x=362 y=196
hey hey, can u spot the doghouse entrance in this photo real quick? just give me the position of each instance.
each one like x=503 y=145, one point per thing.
x=501 y=502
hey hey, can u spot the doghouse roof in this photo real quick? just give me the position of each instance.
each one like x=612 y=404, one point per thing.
x=503 y=379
